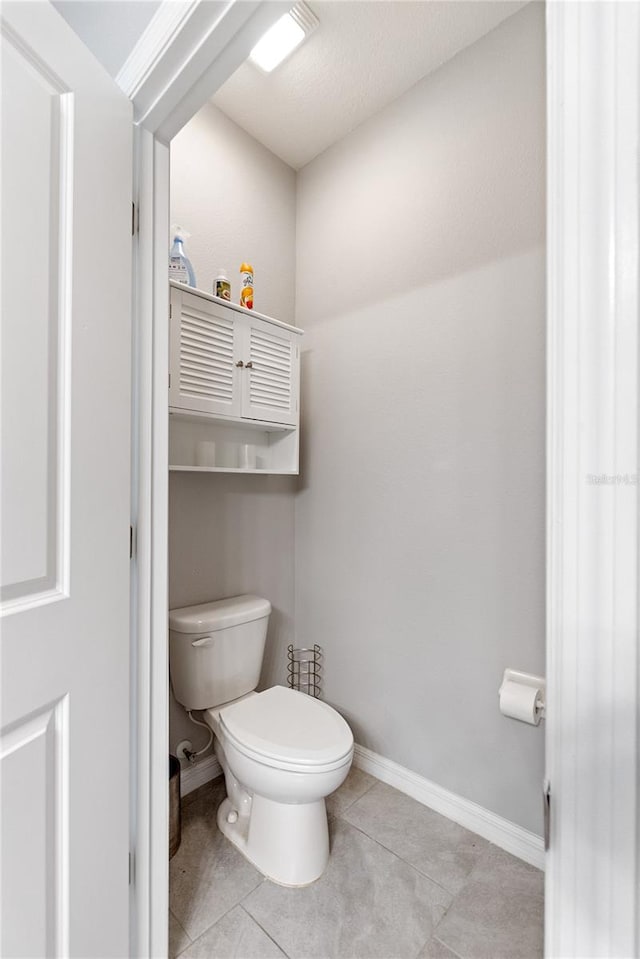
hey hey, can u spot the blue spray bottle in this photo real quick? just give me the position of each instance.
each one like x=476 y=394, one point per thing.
x=180 y=268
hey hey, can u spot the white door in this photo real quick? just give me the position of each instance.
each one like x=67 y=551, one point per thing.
x=66 y=329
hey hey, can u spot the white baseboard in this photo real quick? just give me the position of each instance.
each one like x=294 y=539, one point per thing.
x=510 y=837
x=200 y=773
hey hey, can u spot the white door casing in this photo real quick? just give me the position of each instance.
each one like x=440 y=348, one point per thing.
x=169 y=80
x=593 y=700
x=66 y=331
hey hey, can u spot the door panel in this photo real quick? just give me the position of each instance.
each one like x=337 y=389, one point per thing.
x=37 y=181
x=270 y=384
x=204 y=352
x=65 y=487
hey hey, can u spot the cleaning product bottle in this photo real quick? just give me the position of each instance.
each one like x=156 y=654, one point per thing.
x=246 y=286
x=180 y=268
x=222 y=286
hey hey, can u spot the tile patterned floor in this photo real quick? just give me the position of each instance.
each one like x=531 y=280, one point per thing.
x=402 y=883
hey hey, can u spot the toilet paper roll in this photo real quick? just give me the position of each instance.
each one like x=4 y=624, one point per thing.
x=247 y=456
x=206 y=453
x=521 y=702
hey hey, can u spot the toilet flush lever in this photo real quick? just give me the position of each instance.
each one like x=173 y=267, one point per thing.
x=205 y=641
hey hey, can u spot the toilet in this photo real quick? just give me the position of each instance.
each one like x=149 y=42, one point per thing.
x=281 y=751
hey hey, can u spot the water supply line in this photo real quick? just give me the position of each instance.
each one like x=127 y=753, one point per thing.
x=192 y=756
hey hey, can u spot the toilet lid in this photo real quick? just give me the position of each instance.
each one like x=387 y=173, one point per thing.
x=289 y=726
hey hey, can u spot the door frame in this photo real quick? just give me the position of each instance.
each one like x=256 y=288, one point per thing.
x=185 y=54
x=593 y=767
x=593 y=65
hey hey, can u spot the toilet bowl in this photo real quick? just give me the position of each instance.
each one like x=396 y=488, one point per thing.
x=282 y=752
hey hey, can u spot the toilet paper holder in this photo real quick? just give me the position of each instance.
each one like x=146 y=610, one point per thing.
x=537 y=683
x=304 y=670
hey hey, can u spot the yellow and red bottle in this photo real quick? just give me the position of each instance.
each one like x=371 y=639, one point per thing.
x=246 y=286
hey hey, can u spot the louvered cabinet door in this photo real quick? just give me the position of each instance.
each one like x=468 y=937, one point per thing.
x=271 y=374
x=204 y=352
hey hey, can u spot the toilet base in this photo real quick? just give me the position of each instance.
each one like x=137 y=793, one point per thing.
x=287 y=843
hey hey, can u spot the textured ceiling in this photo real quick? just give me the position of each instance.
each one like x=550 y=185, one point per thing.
x=362 y=56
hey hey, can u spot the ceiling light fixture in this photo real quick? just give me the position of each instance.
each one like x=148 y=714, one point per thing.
x=283 y=37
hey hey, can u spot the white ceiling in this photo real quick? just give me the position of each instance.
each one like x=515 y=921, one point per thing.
x=362 y=56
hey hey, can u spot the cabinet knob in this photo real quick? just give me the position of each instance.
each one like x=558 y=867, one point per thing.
x=240 y=363
x=249 y=365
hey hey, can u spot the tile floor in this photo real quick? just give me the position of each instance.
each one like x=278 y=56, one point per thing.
x=402 y=883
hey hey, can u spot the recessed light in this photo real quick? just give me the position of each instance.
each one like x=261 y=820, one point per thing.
x=283 y=37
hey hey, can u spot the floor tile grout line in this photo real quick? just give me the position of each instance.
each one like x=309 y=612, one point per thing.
x=172 y=913
x=340 y=814
x=446 y=945
x=474 y=874
x=260 y=926
x=405 y=861
x=424 y=944
x=188 y=944
x=220 y=917
x=434 y=930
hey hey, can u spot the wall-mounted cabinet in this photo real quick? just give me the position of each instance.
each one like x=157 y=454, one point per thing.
x=233 y=387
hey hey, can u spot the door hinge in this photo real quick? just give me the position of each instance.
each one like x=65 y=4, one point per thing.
x=170 y=311
x=169 y=380
x=131 y=869
x=133 y=218
x=130 y=542
x=546 y=800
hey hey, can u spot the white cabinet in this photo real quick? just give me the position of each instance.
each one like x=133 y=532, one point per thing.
x=233 y=381
x=226 y=361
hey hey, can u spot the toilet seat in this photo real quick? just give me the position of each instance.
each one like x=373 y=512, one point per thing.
x=285 y=729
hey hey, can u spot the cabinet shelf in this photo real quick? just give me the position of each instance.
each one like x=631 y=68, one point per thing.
x=229 y=469
x=188 y=416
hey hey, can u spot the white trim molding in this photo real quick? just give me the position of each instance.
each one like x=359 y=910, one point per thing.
x=154 y=42
x=192 y=777
x=169 y=77
x=509 y=836
x=150 y=667
x=593 y=864
x=187 y=52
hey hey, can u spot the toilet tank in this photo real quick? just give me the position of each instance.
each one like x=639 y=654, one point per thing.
x=216 y=650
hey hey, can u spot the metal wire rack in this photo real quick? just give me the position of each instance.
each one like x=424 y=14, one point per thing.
x=304 y=671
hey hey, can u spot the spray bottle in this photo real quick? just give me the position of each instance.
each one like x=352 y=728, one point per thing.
x=246 y=286
x=180 y=268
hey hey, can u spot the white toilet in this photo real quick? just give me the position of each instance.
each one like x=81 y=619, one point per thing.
x=281 y=751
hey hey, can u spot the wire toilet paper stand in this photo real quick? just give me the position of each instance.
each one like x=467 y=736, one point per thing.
x=304 y=670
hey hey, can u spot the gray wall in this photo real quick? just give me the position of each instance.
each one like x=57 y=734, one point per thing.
x=238 y=201
x=228 y=535
x=234 y=534
x=420 y=516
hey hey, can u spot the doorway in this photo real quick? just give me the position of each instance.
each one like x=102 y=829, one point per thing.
x=591 y=32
